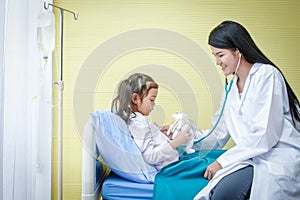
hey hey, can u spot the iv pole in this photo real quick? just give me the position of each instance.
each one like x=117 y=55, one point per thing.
x=60 y=85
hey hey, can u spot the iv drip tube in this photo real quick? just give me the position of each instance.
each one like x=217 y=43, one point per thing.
x=60 y=84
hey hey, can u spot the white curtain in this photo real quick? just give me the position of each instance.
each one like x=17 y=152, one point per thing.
x=2 y=6
x=25 y=105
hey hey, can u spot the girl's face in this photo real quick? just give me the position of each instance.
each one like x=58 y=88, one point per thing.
x=145 y=105
x=226 y=59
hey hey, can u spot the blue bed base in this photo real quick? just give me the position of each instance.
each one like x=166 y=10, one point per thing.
x=116 y=188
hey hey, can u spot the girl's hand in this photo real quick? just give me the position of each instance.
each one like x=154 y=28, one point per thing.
x=182 y=137
x=212 y=169
x=164 y=128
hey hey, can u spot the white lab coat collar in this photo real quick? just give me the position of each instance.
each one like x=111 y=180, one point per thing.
x=253 y=69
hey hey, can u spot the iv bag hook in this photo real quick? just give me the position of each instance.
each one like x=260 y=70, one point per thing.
x=46 y=6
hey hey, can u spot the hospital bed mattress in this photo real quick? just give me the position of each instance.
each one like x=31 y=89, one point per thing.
x=116 y=188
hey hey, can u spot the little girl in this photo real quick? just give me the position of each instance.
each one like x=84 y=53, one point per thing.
x=135 y=100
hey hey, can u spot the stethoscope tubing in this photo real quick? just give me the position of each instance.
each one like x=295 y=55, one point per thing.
x=227 y=89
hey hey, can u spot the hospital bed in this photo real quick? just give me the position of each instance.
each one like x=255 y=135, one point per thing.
x=123 y=174
x=92 y=170
x=99 y=180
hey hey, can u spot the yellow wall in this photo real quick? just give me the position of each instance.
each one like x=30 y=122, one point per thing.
x=166 y=39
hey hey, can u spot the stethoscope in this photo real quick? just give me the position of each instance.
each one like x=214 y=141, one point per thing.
x=227 y=90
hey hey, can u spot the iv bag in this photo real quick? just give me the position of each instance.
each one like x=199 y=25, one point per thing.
x=46 y=33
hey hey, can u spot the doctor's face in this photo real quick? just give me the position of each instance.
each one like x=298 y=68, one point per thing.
x=226 y=59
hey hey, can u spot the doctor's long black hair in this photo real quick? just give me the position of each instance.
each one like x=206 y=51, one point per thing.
x=232 y=35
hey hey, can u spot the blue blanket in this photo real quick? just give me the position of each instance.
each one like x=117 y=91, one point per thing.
x=183 y=179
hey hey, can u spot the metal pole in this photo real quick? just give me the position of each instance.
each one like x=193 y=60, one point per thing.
x=60 y=112
x=60 y=84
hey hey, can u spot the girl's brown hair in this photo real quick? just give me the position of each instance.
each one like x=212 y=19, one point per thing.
x=137 y=83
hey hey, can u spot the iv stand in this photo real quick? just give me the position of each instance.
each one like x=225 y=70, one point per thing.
x=60 y=85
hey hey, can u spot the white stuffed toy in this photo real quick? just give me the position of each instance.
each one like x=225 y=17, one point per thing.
x=181 y=123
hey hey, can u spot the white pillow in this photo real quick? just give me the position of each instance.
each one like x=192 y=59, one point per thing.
x=118 y=149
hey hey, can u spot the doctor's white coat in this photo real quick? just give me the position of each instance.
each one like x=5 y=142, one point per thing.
x=260 y=124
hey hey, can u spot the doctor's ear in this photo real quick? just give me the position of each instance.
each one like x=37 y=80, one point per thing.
x=238 y=52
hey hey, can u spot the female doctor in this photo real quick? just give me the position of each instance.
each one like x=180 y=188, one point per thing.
x=261 y=116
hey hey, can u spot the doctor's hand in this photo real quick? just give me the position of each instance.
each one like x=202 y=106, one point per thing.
x=212 y=169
